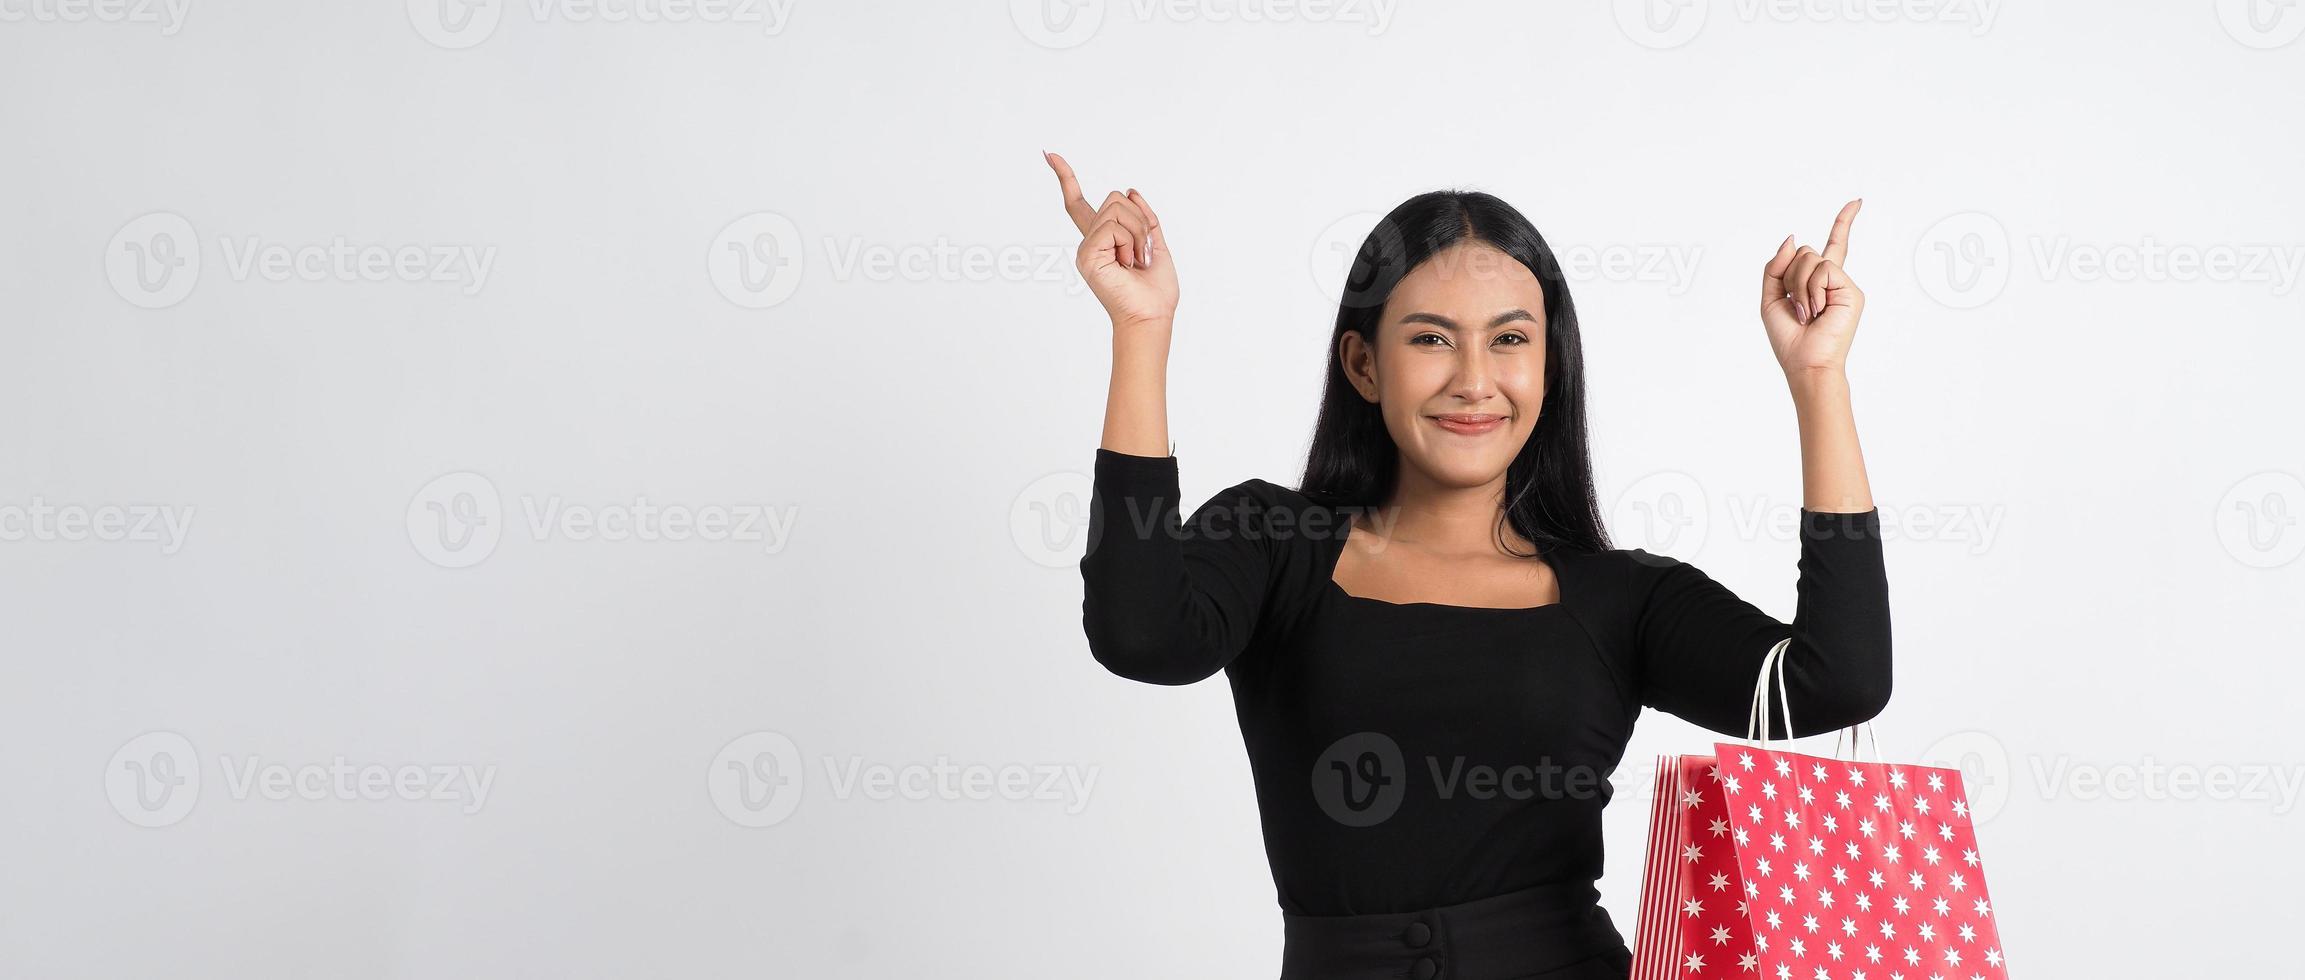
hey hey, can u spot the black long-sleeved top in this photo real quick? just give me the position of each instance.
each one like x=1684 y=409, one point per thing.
x=1413 y=755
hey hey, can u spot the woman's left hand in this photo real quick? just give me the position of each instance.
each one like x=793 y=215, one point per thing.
x=1809 y=304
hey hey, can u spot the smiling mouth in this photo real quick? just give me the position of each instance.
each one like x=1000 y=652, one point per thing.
x=1469 y=424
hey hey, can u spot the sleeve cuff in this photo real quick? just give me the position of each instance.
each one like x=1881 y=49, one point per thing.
x=1828 y=526
x=1124 y=465
x=1126 y=476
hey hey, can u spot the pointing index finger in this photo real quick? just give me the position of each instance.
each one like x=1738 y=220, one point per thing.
x=1837 y=244
x=1083 y=215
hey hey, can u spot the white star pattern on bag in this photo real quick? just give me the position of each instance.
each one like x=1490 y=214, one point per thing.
x=1849 y=898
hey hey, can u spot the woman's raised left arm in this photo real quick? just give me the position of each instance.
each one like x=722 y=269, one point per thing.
x=1810 y=306
x=1700 y=645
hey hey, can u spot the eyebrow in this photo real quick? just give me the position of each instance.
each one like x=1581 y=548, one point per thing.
x=1438 y=320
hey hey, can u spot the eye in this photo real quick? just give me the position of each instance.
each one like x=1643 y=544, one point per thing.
x=1420 y=339
x=1515 y=338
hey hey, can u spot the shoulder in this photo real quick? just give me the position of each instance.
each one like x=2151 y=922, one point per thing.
x=1267 y=494
x=1619 y=582
x=1624 y=567
x=1275 y=512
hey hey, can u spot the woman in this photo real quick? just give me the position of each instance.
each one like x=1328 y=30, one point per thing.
x=1435 y=655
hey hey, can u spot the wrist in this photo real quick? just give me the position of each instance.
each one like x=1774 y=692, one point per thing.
x=1125 y=325
x=1817 y=382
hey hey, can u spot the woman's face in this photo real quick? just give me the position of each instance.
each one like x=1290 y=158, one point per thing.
x=1458 y=367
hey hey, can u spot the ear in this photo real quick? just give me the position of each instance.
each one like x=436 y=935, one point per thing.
x=1359 y=361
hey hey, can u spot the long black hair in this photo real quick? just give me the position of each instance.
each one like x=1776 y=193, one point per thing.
x=1354 y=462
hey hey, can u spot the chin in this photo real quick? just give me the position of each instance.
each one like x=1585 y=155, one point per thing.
x=1466 y=470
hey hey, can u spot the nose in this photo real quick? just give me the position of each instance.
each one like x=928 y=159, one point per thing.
x=1475 y=379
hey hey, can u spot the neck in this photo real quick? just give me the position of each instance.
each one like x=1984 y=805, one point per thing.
x=1447 y=519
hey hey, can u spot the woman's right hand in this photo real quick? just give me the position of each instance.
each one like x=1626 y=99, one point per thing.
x=1123 y=254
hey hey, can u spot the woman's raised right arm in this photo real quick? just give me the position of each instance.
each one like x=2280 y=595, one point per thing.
x=1124 y=256
x=1166 y=601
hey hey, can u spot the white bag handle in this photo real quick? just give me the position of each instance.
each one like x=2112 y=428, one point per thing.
x=1853 y=733
x=1757 y=719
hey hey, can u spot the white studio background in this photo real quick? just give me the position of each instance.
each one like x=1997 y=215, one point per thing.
x=363 y=362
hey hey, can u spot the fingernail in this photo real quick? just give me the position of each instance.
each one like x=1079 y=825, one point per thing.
x=1800 y=311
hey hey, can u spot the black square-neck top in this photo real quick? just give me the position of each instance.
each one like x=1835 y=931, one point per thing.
x=1414 y=755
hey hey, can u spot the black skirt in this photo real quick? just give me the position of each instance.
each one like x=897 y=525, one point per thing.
x=1543 y=933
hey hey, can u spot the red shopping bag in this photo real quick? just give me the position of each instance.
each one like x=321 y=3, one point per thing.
x=1693 y=905
x=1773 y=864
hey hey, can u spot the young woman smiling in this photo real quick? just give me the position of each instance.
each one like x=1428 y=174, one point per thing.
x=1435 y=654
